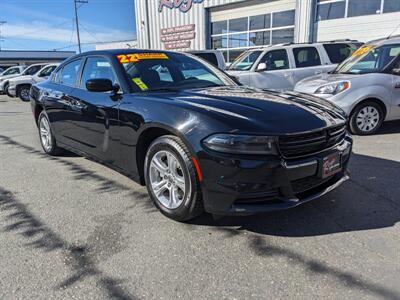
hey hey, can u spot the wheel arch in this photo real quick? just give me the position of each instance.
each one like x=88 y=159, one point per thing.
x=37 y=110
x=373 y=99
x=147 y=136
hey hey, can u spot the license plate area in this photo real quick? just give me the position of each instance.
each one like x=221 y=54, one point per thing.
x=331 y=164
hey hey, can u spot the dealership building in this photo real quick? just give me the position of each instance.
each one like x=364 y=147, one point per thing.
x=233 y=26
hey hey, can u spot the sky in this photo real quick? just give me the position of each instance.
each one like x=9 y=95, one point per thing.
x=50 y=24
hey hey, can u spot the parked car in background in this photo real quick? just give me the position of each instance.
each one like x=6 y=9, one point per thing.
x=366 y=86
x=282 y=66
x=8 y=74
x=215 y=57
x=195 y=138
x=21 y=85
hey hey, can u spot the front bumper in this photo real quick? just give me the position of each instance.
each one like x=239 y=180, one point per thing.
x=242 y=186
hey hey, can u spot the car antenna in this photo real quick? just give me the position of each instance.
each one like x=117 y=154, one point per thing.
x=390 y=35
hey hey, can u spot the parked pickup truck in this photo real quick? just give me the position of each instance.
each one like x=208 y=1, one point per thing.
x=8 y=74
x=282 y=66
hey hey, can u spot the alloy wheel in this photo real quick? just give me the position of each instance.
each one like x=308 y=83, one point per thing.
x=167 y=179
x=45 y=134
x=24 y=94
x=367 y=119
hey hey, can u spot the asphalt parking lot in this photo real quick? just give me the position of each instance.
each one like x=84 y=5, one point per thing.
x=73 y=229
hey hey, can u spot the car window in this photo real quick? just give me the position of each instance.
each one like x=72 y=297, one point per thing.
x=339 y=52
x=154 y=71
x=32 y=70
x=11 y=71
x=163 y=72
x=96 y=68
x=245 y=61
x=369 y=59
x=46 y=72
x=69 y=73
x=276 y=60
x=306 y=57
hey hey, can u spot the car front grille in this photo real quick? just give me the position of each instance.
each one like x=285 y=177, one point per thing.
x=307 y=143
x=307 y=183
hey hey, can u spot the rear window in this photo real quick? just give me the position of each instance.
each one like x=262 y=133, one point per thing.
x=210 y=57
x=337 y=53
x=306 y=57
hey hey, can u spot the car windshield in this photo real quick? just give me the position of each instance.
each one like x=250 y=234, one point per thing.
x=11 y=71
x=161 y=71
x=369 y=59
x=32 y=70
x=245 y=61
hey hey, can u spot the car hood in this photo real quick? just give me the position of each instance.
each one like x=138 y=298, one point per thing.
x=8 y=76
x=266 y=111
x=311 y=84
x=24 y=78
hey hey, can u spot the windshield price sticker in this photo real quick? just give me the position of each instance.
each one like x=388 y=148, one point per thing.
x=135 y=57
x=140 y=83
x=362 y=50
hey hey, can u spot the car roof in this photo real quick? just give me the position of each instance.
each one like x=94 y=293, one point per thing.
x=295 y=45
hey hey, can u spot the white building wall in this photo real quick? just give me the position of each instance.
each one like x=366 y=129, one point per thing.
x=363 y=28
x=245 y=9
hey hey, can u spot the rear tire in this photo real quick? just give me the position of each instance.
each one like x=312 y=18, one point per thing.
x=5 y=89
x=366 y=118
x=46 y=136
x=171 y=179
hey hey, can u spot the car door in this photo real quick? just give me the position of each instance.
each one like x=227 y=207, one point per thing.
x=273 y=71
x=58 y=102
x=394 y=112
x=307 y=62
x=96 y=112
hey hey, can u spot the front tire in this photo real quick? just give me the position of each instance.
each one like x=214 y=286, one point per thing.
x=366 y=118
x=171 y=179
x=23 y=93
x=47 y=139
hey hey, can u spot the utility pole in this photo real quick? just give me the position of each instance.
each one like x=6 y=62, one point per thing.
x=1 y=24
x=76 y=20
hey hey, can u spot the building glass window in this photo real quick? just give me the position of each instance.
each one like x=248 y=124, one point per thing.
x=234 y=36
x=259 y=38
x=283 y=18
x=391 y=6
x=238 y=25
x=332 y=10
x=260 y=22
x=362 y=7
x=219 y=27
x=238 y=40
x=335 y=9
x=282 y=36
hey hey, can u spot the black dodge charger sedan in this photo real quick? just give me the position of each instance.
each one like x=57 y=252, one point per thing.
x=194 y=137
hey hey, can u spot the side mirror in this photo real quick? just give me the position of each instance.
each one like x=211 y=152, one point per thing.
x=396 y=71
x=261 y=67
x=101 y=85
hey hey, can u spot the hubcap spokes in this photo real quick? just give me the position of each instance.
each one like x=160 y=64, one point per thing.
x=45 y=134
x=367 y=118
x=167 y=179
x=25 y=94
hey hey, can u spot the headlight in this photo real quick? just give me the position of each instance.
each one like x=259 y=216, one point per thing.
x=242 y=144
x=333 y=88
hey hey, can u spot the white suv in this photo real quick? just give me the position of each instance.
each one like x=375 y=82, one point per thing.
x=366 y=86
x=282 y=66
x=20 y=86
x=8 y=74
